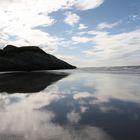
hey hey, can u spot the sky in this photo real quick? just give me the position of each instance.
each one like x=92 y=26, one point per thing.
x=85 y=33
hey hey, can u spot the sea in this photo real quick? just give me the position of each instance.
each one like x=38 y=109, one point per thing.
x=95 y=103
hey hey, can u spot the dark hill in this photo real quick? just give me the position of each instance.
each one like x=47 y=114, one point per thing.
x=29 y=58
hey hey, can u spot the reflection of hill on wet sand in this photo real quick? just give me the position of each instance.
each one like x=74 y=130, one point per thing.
x=24 y=82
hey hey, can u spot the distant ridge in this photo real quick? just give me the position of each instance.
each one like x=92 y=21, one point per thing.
x=29 y=58
x=114 y=69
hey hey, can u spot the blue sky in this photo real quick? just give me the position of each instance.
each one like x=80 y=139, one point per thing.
x=82 y=32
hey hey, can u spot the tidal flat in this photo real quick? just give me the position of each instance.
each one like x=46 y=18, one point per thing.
x=70 y=105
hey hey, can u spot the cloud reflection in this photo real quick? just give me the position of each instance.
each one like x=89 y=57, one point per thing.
x=22 y=119
x=79 y=107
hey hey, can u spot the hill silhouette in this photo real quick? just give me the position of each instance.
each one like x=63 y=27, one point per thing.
x=29 y=58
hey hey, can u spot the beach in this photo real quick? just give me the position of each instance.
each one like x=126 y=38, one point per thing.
x=81 y=104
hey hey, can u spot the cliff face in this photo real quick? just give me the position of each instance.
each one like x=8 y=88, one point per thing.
x=29 y=58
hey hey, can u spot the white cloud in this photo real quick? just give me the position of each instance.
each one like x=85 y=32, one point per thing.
x=81 y=95
x=27 y=36
x=71 y=18
x=117 y=49
x=70 y=59
x=82 y=27
x=79 y=39
x=134 y=17
x=36 y=6
x=88 y=4
x=19 y=20
x=107 y=49
x=106 y=25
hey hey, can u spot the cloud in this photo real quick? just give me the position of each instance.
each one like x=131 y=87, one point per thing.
x=79 y=39
x=115 y=49
x=106 y=25
x=88 y=4
x=71 y=18
x=39 y=6
x=27 y=36
x=72 y=59
x=20 y=19
x=134 y=17
x=82 y=27
x=81 y=95
x=106 y=49
x=36 y=6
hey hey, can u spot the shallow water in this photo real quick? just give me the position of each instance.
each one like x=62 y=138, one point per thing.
x=70 y=105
